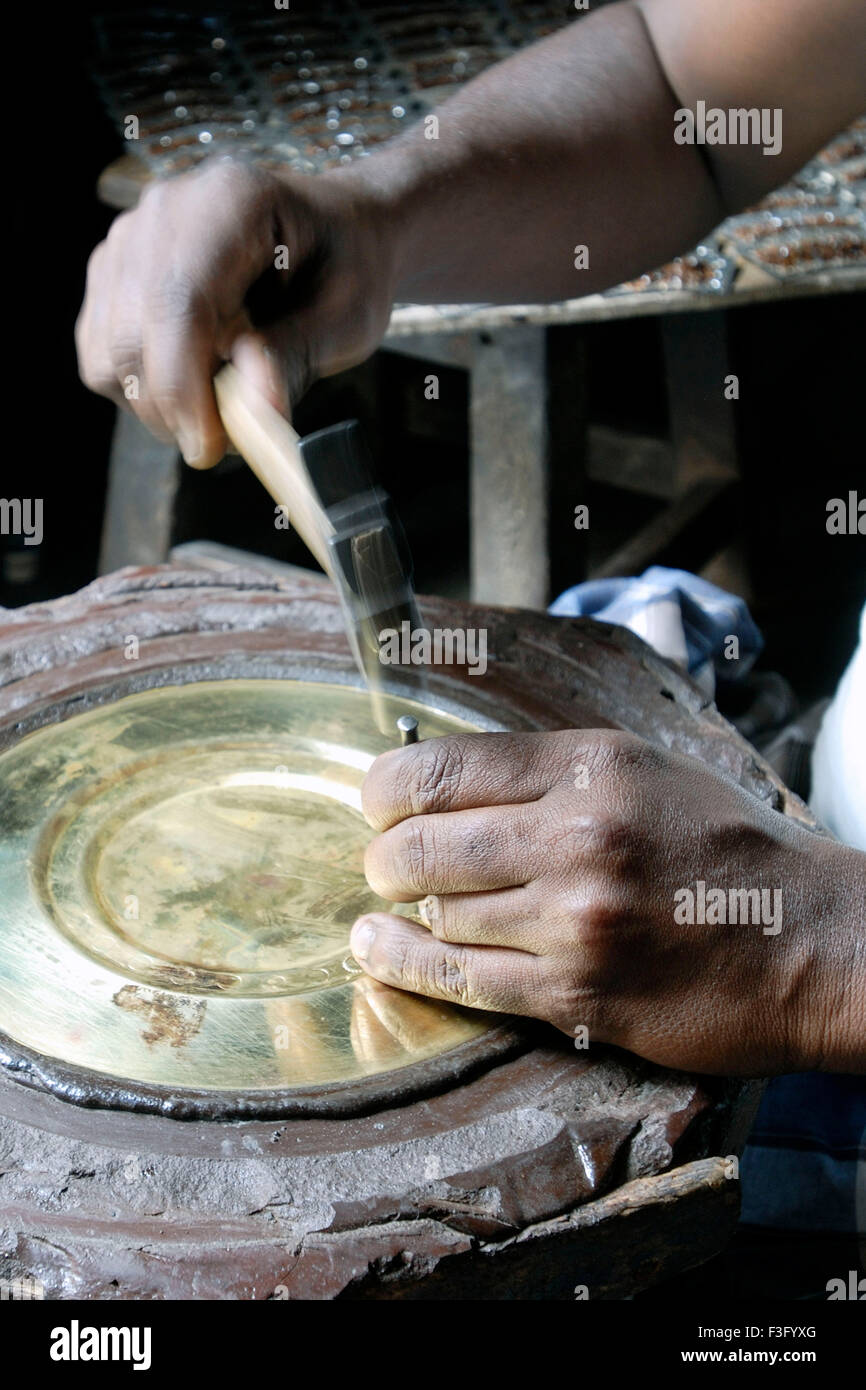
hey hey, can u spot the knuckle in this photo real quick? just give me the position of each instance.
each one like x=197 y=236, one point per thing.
x=436 y=773
x=447 y=974
x=606 y=834
x=95 y=372
x=594 y=832
x=598 y=920
x=598 y=936
x=125 y=353
x=417 y=850
x=396 y=861
x=94 y=377
x=432 y=970
x=166 y=395
x=556 y=752
x=175 y=297
x=618 y=752
x=572 y=1002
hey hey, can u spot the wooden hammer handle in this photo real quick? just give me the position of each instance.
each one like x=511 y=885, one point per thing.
x=270 y=446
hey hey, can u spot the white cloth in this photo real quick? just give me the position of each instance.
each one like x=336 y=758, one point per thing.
x=838 y=795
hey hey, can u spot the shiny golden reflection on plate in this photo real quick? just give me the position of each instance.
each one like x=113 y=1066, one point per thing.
x=179 y=872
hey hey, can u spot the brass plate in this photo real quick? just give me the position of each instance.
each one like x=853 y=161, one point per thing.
x=179 y=872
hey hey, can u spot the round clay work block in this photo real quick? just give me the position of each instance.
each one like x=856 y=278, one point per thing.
x=201 y=1096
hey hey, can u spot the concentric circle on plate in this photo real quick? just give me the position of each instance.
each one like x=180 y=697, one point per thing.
x=179 y=872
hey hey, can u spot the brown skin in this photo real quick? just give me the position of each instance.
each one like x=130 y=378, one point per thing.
x=569 y=142
x=166 y=290
x=556 y=902
x=553 y=861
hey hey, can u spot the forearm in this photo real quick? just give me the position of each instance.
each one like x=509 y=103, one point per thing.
x=569 y=143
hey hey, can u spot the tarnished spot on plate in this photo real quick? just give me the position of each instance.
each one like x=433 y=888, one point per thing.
x=165 y=1018
x=179 y=872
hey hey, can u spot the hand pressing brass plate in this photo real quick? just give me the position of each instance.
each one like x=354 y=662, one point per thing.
x=179 y=873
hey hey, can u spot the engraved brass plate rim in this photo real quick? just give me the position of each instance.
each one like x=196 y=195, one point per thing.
x=155 y=852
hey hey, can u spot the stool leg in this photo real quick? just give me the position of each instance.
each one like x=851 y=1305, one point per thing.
x=142 y=482
x=508 y=467
x=702 y=420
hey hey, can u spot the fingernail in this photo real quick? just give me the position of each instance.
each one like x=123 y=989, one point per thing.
x=190 y=447
x=361 y=938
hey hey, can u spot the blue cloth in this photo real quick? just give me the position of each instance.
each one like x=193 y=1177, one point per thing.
x=806 y=1150
x=686 y=619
